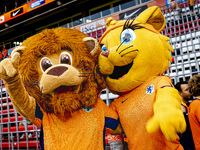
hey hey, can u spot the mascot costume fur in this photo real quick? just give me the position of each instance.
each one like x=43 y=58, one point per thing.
x=137 y=55
x=53 y=81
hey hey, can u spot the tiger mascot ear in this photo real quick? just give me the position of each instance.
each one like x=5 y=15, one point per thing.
x=152 y=17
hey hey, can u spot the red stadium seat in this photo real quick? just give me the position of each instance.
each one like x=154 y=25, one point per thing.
x=21 y=144
x=12 y=119
x=6 y=111
x=20 y=128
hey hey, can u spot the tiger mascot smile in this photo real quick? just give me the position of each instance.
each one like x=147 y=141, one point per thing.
x=134 y=58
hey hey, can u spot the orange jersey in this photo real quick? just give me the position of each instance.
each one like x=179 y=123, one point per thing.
x=191 y=2
x=135 y=109
x=84 y=130
x=5 y=53
x=194 y=119
x=1 y=55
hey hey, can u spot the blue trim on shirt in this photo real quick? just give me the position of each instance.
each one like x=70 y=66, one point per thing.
x=41 y=138
x=104 y=142
x=38 y=112
x=111 y=123
x=166 y=86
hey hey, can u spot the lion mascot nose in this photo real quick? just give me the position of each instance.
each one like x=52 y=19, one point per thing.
x=57 y=71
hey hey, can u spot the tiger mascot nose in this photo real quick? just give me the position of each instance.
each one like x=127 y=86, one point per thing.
x=57 y=71
x=105 y=53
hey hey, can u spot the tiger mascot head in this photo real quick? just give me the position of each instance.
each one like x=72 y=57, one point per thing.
x=136 y=51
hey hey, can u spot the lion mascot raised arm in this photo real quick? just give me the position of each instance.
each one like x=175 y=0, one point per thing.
x=53 y=81
x=137 y=55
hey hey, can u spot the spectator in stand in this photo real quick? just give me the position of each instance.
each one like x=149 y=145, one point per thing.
x=177 y=8
x=21 y=135
x=194 y=109
x=1 y=56
x=5 y=52
x=186 y=139
x=191 y=6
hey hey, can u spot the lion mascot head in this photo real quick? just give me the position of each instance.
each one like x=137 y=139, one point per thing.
x=59 y=69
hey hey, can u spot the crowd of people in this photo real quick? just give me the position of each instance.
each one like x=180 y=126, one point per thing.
x=190 y=106
x=176 y=7
x=3 y=53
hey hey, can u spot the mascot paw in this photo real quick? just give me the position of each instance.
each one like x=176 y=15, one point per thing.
x=169 y=122
x=9 y=67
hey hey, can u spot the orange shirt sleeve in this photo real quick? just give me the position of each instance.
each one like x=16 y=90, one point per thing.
x=165 y=81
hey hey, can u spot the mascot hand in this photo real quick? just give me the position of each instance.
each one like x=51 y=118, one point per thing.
x=9 y=67
x=105 y=66
x=170 y=121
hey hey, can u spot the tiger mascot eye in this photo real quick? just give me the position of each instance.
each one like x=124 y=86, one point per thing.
x=134 y=58
x=53 y=81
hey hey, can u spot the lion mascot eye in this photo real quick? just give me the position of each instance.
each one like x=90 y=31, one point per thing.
x=127 y=36
x=65 y=58
x=45 y=63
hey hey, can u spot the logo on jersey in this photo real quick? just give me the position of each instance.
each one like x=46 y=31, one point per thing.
x=124 y=100
x=150 y=89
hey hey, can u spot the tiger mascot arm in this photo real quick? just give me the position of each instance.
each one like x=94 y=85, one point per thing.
x=166 y=110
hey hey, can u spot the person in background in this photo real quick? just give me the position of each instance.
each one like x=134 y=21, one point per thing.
x=1 y=56
x=21 y=135
x=186 y=139
x=5 y=52
x=191 y=6
x=194 y=109
x=177 y=7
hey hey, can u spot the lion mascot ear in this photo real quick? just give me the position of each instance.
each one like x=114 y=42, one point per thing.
x=18 y=49
x=152 y=17
x=91 y=44
x=93 y=47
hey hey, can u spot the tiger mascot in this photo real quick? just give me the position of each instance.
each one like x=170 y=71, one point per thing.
x=134 y=58
x=53 y=81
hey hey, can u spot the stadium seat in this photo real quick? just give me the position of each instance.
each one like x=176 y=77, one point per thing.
x=12 y=119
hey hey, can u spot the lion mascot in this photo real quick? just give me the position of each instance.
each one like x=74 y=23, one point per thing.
x=136 y=56
x=53 y=81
